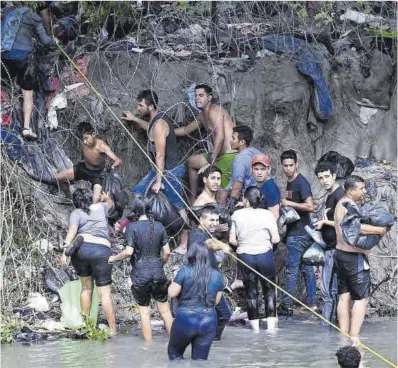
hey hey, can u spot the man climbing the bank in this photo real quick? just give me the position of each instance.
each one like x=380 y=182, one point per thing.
x=163 y=151
x=19 y=27
x=351 y=263
x=326 y=173
x=218 y=124
x=92 y=165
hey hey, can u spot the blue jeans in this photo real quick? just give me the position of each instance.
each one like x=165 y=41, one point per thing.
x=329 y=289
x=173 y=177
x=195 y=328
x=297 y=245
x=223 y=316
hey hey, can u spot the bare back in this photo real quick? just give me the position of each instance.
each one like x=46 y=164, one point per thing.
x=218 y=115
x=94 y=157
x=339 y=214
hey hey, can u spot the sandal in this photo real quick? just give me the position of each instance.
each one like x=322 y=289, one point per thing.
x=28 y=134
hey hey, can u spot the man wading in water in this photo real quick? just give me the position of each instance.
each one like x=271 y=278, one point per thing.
x=91 y=167
x=351 y=263
x=218 y=124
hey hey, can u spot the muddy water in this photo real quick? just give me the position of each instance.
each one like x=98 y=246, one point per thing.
x=295 y=344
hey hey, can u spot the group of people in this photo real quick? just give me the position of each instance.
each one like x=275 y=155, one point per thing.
x=237 y=182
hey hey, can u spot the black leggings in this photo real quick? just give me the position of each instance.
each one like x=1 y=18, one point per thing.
x=265 y=265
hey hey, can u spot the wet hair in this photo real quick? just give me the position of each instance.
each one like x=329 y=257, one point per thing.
x=244 y=133
x=150 y=97
x=84 y=128
x=351 y=182
x=207 y=88
x=198 y=257
x=140 y=206
x=348 y=357
x=289 y=155
x=210 y=170
x=254 y=196
x=208 y=210
x=325 y=166
x=82 y=198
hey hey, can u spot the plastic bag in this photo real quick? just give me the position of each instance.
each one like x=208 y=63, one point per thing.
x=166 y=213
x=113 y=185
x=371 y=214
x=314 y=256
x=344 y=166
x=287 y=215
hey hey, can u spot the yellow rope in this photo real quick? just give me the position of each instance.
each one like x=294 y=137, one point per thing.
x=360 y=344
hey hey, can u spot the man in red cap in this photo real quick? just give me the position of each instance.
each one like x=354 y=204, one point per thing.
x=261 y=168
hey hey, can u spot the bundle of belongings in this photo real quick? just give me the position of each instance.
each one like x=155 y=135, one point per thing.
x=375 y=214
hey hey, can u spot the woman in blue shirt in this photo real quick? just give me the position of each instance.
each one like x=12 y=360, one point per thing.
x=199 y=288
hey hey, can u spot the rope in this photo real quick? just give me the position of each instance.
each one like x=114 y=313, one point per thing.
x=360 y=344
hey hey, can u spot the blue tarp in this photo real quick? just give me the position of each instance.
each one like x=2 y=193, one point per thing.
x=308 y=64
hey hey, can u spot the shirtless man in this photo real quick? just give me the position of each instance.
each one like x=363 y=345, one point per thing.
x=212 y=182
x=351 y=264
x=218 y=124
x=92 y=165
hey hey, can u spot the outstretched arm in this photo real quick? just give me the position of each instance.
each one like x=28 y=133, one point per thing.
x=187 y=129
x=116 y=160
x=128 y=116
x=126 y=253
x=160 y=131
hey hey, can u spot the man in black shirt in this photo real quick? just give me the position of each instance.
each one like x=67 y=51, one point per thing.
x=326 y=173
x=298 y=195
x=209 y=220
x=163 y=150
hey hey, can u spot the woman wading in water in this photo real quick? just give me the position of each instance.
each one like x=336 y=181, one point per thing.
x=90 y=250
x=199 y=288
x=254 y=231
x=148 y=248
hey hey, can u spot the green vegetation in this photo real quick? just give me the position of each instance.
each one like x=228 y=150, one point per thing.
x=8 y=327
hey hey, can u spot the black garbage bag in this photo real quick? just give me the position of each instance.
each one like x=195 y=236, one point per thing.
x=375 y=214
x=113 y=185
x=314 y=256
x=166 y=213
x=344 y=166
x=55 y=278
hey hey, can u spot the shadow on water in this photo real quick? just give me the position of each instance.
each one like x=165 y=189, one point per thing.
x=295 y=344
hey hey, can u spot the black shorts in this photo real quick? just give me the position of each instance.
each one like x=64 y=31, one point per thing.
x=19 y=69
x=91 y=259
x=352 y=277
x=156 y=289
x=81 y=172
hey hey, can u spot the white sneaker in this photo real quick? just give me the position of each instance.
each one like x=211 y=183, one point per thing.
x=272 y=323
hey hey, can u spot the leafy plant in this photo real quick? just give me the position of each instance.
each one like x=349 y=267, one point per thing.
x=92 y=333
x=8 y=327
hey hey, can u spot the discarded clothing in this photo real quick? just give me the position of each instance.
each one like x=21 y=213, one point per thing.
x=42 y=162
x=55 y=278
x=344 y=166
x=10 y=138
x=73 y=76
x=375 y=214
x=308 y=64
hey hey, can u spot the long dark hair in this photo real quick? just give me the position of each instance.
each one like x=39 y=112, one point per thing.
x=254 y=196
x=140 y=206
x=82 y=198
x=198 y=257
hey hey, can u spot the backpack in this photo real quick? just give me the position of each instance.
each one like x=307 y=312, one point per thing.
x=113 y=185
x=10 y=26
x=66 y=29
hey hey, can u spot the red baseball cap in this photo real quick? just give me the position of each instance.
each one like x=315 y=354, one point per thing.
x=261 y=159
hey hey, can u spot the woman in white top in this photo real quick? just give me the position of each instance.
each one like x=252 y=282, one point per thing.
x=254 y=231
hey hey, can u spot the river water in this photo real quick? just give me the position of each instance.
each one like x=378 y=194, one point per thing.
x=295 y=344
